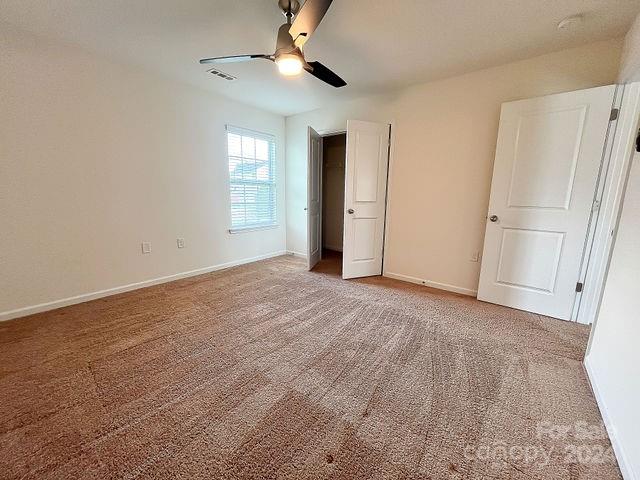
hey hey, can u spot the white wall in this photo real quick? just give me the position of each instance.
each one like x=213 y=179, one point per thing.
x=96 y=157
x=614 y=357
x=333 y=163
x=444 y=140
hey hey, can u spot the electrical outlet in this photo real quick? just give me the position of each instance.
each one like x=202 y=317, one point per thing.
x=475 y=257
x=180 y=242
x=146 y=247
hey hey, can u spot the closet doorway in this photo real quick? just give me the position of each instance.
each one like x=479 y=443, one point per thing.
x=333 y=182
x=353 y=172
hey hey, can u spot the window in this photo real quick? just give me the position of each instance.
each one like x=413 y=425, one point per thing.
x=252 y=178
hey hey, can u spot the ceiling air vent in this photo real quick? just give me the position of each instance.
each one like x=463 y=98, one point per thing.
x=220 y=74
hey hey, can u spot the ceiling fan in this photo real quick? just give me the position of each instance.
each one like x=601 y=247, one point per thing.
x=289 y=56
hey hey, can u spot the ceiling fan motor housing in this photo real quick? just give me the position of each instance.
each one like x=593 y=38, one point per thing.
x=285 y=43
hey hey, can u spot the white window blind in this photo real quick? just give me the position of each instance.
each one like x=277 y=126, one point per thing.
x=252 y=178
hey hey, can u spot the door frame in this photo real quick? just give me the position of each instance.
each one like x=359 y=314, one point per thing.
x=594 y=240
x=329 y=132
x=387 y=203
x=616 y=164
x=324 y=134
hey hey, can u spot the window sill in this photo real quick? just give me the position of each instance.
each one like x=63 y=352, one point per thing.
x=234 y=231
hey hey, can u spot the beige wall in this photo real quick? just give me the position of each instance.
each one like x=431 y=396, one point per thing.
x=96 y=157
x=333 y=156
x=630 y=64
x=443 y=148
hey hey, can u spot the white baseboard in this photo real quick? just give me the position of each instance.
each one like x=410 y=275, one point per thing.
x=623 y=462
x=85 y=297
x=297 y=254
x=429 y=283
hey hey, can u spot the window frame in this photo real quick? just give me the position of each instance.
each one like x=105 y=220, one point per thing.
x=273 y=183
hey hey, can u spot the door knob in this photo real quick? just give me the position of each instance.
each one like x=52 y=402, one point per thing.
x=493 y=218
x=350 y=211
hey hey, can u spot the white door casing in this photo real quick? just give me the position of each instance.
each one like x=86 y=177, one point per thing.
x=622 y=141
x=314 y=200
x=548 y=156
x=365 y=198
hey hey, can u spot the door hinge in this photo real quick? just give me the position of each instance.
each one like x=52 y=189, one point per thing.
x=579 y=287
x=596 y=206
x=614 y=114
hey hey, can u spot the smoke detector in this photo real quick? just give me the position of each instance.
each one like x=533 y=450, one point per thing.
x=570 y=22
x=221 y=74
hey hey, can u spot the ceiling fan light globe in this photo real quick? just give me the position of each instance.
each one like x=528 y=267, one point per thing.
x=289 y=65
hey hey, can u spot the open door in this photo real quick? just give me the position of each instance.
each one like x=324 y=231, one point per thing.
x=314 y=201
x=547 y=162
x=365 y=198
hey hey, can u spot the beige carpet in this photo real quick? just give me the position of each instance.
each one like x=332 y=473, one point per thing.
x=268 y=371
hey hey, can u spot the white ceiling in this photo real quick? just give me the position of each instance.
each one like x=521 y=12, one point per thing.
x=375 y=45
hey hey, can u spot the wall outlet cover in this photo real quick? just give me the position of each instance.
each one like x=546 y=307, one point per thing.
x=146 y=247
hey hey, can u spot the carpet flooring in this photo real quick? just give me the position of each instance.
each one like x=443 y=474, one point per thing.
x=268 y=371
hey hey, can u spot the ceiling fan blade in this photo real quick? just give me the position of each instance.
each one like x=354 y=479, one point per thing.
x=233 y=58
x=308 y=19
x=321 y=72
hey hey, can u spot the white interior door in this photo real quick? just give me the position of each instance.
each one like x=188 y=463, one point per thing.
x=314 y=200
x=546 y=168
x=365 y=198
